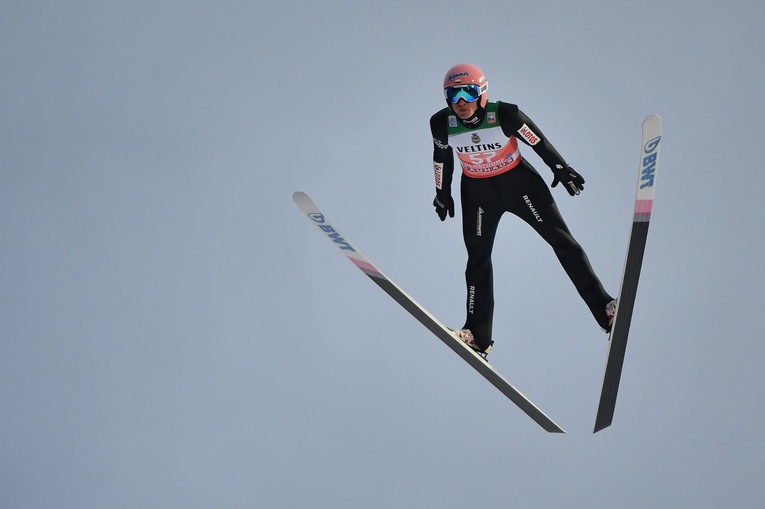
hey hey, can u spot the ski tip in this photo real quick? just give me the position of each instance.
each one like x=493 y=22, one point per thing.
x=653 y=120
x=302 y=200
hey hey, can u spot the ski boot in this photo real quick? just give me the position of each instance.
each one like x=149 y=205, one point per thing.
x=467 y=337
x=610 y=314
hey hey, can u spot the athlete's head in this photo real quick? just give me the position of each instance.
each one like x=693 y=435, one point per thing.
x=465 y=81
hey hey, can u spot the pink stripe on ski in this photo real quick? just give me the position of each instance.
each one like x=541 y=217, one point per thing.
x=643 y=211
x=643 y=206
x=365 y=266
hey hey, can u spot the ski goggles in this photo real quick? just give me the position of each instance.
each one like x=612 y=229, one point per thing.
x=470 y=93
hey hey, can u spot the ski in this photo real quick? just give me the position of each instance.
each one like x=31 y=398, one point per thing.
x=649 y=163
x=422 y=315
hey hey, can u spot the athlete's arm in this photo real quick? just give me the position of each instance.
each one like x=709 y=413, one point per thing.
x=516 y=123
x=443 y=157
x=443 y=165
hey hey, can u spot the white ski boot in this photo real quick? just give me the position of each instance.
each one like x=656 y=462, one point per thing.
x=610 y=313
x=466 y=336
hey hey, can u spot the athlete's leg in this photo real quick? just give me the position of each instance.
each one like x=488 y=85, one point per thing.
x=535 y=205
x=481 y=212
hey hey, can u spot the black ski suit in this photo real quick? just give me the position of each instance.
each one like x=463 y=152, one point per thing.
x=521 y=191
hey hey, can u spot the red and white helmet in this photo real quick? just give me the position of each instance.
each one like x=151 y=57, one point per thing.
x=470 y=79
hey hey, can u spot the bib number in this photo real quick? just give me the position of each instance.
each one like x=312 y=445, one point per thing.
x=482 y=158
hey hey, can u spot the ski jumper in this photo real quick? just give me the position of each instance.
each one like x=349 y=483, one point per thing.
x=497 y=179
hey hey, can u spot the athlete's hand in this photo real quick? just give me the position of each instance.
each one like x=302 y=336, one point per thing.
x=444 y=205
x=573 y=182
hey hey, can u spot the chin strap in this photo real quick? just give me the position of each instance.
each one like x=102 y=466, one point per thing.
x=475 y=119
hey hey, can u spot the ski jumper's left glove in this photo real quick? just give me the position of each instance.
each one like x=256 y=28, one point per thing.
x=573 y=182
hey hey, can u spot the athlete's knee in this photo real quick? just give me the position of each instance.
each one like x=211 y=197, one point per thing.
x=478 y=262
x=560 y=239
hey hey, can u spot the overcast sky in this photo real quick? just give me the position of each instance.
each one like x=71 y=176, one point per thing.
x=173 y=333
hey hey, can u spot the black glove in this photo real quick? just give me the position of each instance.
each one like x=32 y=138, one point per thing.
x=574 y=183
x=444 y=204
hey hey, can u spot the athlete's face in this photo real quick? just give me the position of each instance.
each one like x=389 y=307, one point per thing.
x=464 y=109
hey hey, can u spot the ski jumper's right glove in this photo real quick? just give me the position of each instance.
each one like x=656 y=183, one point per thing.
x=573 y=182
x=444 y=204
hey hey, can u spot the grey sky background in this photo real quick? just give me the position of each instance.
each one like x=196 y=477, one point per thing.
x=173 y=333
